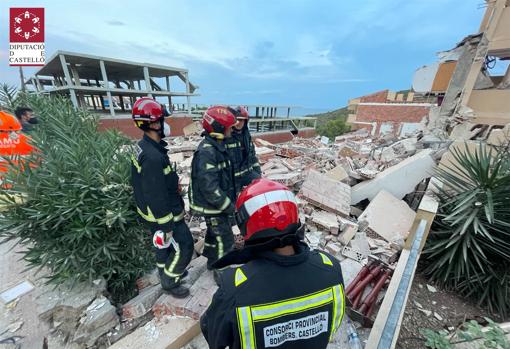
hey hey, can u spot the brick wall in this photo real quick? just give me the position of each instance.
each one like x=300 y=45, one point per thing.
x=377 y=97
x=126 y=126
x=284 y=136
x=391 y=112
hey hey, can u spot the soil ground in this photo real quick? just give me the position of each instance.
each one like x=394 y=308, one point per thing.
x=451 y=308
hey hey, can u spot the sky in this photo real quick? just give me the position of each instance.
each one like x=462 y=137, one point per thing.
x=312 y=54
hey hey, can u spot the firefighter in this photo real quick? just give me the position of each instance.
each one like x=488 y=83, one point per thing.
x=212 y=189
x=242 y=151
x=158 y=199
x=283 y=295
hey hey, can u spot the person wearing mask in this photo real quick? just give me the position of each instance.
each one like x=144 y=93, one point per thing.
x=27 y=119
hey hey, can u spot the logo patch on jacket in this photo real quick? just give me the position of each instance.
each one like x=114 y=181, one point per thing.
x=298 y=329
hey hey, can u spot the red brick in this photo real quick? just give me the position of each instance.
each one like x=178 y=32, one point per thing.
x=377 y=97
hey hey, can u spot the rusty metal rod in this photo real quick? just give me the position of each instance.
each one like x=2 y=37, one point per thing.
x=362 y=284
x=362 y=273
x=372 y=296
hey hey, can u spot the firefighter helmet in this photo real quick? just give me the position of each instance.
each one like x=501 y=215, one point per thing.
x=9 y=123
x=266 y=209
x=241 y=113
x=218 y=119
x=146 y=111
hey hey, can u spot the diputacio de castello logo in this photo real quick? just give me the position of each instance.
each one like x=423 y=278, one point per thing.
x=26 y=36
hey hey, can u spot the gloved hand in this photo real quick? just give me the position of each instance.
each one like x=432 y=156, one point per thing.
x=161 y=239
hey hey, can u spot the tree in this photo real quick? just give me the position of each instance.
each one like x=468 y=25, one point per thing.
x=76 y=216
x=333 y=128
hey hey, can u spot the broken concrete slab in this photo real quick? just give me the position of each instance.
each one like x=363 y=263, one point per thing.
x=327 y=220
x=349 y=229
x=156 y=334
x=196 y=268
x=398 y=180
x=334 y=248
x=388 y=216
x=338 y=173
x=194 y=305
x=327 y=193
x=100 y=317
x=69 y=300
x=141 y=304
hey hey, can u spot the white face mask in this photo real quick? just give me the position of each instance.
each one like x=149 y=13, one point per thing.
x=166 y=129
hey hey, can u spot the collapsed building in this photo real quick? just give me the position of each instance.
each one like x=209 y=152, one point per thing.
x=367 y=198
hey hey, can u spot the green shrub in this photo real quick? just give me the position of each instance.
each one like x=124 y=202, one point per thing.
x=77 y=217
x=468 y=249
x=492 y=338
x=333 y=128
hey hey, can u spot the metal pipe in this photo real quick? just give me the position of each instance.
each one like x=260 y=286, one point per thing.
x=372 y=296
x=362 y=273
x=373 y=273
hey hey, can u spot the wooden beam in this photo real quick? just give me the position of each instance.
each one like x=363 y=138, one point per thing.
x=185 y=337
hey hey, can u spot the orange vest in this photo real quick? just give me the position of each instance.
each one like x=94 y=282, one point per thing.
x=13 y=150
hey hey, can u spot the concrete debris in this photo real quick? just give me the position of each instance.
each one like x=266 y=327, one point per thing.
x=388 y=217
x=100 y=317
x=15 y=326
x=141 y=304
x=15 y=292
x=398 y=180
x=338 y=173
x=192 y=306
x=326 y=193
x=148 y=280
x=327 y=220
x=437 y=316
x=426 y=312
x=418 y=304
x=431 y=288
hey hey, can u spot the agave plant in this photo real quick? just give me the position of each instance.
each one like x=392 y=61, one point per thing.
x=77 y=216
x=469 y=248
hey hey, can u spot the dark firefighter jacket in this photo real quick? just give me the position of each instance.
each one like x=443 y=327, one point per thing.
x=277 y=301
x=155 y=184
x=244 y=160
x=212 y=188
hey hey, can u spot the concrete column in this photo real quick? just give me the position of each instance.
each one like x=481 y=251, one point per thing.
x=147 y=78
x=188 y=92
x=107 y=87
x=167 y=80
x=288 y=113
x=69 y=82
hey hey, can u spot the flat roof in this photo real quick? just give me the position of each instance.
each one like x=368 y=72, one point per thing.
x=117 y=69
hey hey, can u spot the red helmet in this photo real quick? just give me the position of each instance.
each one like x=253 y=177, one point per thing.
x=266 y=209
x=145 y=111
x=218 y=119
x=241 y=113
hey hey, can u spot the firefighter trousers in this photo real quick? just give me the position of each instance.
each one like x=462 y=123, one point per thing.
x=173 y=260
x=219 y=238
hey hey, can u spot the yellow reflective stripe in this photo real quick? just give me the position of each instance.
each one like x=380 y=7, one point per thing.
x=136 y=164
x=160 y=265
x=149 y=217
x=225 y=204
x=224 y=164
x=204 y=210
x=325 y=259
x=220 y=246
x=179 y=217
x=237 y=174
x=171 y=267
x=239 y=277
x=209 y=166
x=206 y=145
x=246 y=330
x=265 y=312
x=338 y=309
x=167 y=170
x=233 y=145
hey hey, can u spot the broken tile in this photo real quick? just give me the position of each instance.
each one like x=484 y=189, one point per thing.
x=17 y=291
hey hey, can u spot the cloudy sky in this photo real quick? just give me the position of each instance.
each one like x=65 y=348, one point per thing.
x=315 y=54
